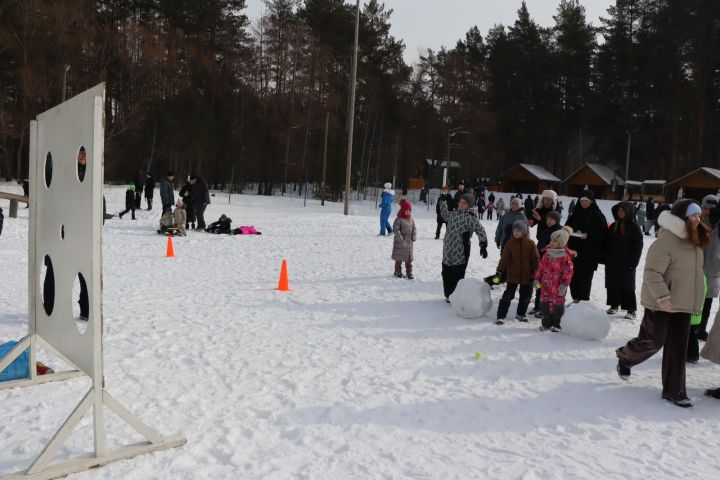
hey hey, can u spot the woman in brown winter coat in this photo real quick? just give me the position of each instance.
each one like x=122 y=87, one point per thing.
x=519 y=260
x=405 y=234
x=673 y=289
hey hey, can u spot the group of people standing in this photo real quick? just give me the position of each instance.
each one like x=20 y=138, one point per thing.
x=680 y=278
x=194 y=197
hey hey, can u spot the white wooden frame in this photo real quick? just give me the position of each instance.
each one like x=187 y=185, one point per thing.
x=78 y=212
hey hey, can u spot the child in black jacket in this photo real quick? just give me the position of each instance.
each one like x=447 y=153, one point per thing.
x=129 y=201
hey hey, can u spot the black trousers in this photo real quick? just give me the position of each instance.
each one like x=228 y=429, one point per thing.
x=507 y=298
x=149 y=202
x=437 y=230
x=666 y=331
x=451 y=275
x=624 y=299
x=693 y=348
x=551 y=319
x=702 y=328
x=200 y=215
x=138 y=199
x=131 y=209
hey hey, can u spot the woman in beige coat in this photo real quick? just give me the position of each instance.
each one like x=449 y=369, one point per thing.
x=672 y=290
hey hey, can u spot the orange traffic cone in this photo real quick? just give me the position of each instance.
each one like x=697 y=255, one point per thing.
x=170 y=250
x=284 y=284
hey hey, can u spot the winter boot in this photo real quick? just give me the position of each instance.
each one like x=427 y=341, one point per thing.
x=556 y=328
x=631 y=316
x=623 y=370
x=398 y=271
x=683 y=402
x=612 y=311
x=408 y=272
x=500 y=321
x=713 y=393
x=521 y=318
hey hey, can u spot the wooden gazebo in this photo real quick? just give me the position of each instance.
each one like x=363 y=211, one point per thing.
x=603 y=182
x=526 y=178
x=696 y=184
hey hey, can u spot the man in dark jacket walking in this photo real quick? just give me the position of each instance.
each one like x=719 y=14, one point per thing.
x=201 y=199
x=139 y=184
x=444 y=197
x=167 y=195
x=149 y=190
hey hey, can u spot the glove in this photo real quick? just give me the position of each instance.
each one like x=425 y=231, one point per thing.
x=496 y=278
x=538 y=285
x=483 y=250
x=498 y=245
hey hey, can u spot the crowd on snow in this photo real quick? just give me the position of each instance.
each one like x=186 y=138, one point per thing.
x=680 y=279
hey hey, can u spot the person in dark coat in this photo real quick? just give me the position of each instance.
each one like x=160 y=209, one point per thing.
x=186 y=193
x=139 y=185
x=201 y=199
x=529 y=207
x=571 y=207
x=491 y=197
x=444 y=197
x=548 y=203
x=650 y=216
x=2 y=219
x=149 y=190
x=590 y=227
x=129 y=201
x=623 y=248
x=167 y=195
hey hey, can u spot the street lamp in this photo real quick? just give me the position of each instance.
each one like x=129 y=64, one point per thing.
x=451 y=133
x=351 y=113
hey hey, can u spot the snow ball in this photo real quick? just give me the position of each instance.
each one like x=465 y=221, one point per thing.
x=471 y=298
x=586 y=321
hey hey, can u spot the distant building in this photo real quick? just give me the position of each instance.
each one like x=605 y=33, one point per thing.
x=604 y=182
x=526 y=178
x=696 y=184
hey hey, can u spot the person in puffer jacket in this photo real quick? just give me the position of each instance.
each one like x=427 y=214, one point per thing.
x=672 y=291
x=553 y=277
x=388 y=195
x=405 y=234
x=456 y=247
x=519 y=261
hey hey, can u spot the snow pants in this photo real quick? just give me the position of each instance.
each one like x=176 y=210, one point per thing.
x=624 y=299
x=507 y=298
x=551 y=318
x=384 y=216
x=437 y=230
x=451 y=275
x=667 y=331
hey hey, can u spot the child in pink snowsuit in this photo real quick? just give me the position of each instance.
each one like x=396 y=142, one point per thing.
x=490 y=210
x=553 y=277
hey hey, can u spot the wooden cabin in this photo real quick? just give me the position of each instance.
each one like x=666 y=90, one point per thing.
x=526 y=178
x=603 y=182
x=696 y=184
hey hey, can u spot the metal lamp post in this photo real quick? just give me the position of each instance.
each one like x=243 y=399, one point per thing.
x=351 y=113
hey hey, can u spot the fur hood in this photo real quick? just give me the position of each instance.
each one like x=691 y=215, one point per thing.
x=391 y=192
x=673 y=224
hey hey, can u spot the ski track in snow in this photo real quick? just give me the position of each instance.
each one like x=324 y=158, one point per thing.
x=352 y=374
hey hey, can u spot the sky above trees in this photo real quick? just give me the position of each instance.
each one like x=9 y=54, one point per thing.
x=424 y=24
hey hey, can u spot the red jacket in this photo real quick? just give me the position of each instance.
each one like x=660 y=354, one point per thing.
x=554 y=274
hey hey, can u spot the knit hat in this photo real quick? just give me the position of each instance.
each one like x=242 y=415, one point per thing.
x=170 y=173
x=684 y=208
x=561 y=236
x=388 y=185
x=710 y=201
x=179 y=203
x=554 y=215
x=693 y=209
x=405 y=209
x=131 y=187
x=516 y=201
x=521 y=225
x=469 y=199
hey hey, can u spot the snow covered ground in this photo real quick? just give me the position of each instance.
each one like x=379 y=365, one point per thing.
x=353 y=374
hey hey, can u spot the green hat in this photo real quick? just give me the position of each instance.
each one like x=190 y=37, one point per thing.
x=131 y=187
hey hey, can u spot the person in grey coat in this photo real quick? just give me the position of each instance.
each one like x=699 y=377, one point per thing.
x=201 y=199
x=504 y=228
x=456 y=248
x=405 y=234
x=167 y=195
